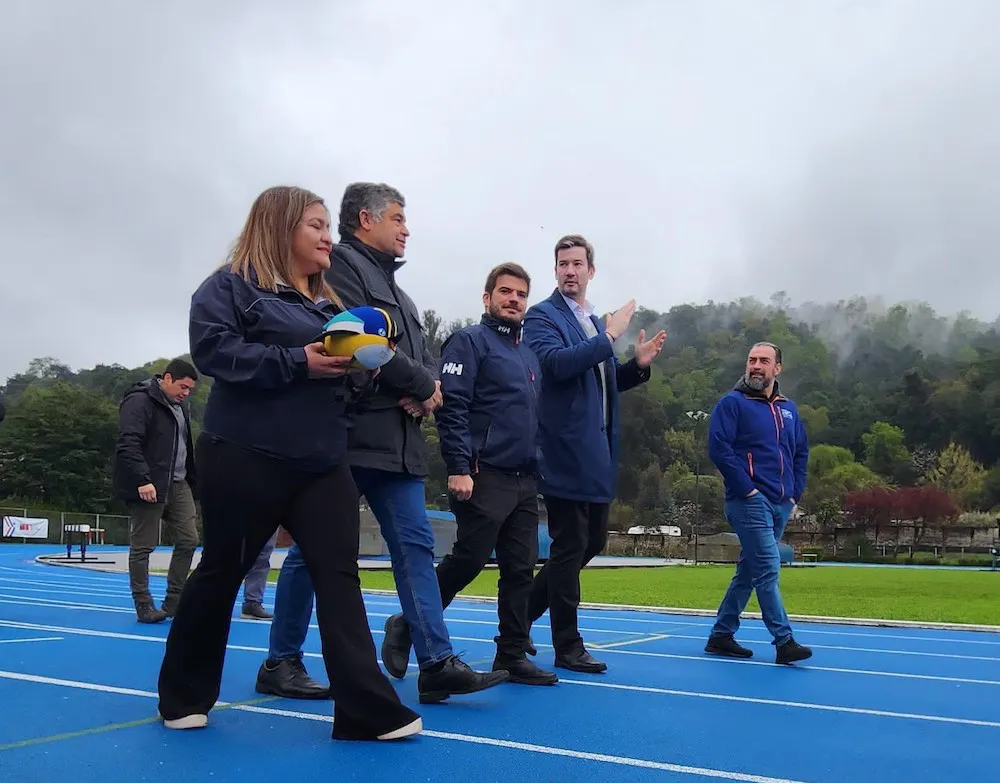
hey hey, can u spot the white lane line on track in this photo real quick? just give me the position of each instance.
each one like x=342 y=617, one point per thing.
x=699 y=658
x=33 y=639
x=624 y=761
x=782 y=703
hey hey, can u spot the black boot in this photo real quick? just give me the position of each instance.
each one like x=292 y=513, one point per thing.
x=791 y=651
x=523 y=671
x=452 y=677
x=727 y=646
x=146 y=612
x=289 y=679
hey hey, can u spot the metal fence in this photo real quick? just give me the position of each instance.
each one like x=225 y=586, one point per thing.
x=105 y=528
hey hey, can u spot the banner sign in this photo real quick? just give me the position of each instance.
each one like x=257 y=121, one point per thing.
x=25 y=527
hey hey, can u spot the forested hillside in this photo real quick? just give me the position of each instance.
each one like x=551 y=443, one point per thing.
x=893 y=398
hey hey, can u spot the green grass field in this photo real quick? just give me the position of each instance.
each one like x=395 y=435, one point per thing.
x=971 y=596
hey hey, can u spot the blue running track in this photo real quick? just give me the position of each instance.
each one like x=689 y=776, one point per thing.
x=78 y=702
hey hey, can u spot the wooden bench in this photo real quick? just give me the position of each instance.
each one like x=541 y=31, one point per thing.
x=808 y=557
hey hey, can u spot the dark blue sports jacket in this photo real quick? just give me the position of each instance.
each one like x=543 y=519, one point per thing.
x=759 y=443
x=489 y=415
x=251 y=342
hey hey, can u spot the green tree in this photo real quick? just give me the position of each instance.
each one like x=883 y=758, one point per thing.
x=56 y=446
x=958 y=474
x=886 y=452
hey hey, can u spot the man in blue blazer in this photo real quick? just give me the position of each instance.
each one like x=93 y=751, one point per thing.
x=578 y=435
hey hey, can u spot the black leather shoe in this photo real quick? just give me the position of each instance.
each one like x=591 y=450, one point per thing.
x=523 y=671
x=531 y=649
x=580 y=661
x=453 y=677
x=396 y=646
x=289 y=679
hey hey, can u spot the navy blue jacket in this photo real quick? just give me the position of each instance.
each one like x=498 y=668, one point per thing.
x=250 y=341
x=759 y=443
x=579 y=455
x=489 y=416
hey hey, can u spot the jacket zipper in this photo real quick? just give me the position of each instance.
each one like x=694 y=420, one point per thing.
x=750 y=463
x=777 y=435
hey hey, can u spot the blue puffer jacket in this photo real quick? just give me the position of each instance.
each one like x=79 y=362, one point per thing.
x=759 y=443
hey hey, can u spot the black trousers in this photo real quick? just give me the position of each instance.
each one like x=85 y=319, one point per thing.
x=244 y=497
x=502 y=514
x=579 y=531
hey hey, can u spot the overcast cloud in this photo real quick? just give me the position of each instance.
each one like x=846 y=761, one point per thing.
x=710 y=150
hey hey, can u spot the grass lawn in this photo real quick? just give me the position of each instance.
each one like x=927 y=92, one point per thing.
x=971 y=596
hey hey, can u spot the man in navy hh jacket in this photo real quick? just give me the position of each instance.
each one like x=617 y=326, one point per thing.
x=758 y=442
x=578 y=435
x=488 y=423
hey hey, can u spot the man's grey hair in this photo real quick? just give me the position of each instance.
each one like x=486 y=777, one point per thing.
x=372 y=197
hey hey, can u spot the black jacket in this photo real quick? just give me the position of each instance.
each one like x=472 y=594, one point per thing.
x=147 y=442
x=383 y=436
x=489 y=379
x=251 y=342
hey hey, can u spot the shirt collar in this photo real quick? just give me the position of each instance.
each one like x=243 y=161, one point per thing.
x=585 y=310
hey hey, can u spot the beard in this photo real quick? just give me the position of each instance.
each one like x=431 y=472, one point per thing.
x=755 y=382
x=512 y=321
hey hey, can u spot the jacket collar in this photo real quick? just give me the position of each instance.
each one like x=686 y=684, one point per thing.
x=502 y=328
x=742 y=387
x=559 y=301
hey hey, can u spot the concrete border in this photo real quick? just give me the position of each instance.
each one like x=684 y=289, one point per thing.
x=671 y=610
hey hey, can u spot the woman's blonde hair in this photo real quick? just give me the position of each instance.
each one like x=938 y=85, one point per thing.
x=265 y=243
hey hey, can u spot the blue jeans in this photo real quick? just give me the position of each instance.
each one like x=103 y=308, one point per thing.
x=398 y=503
x=293 y=606
x=253 y=585
x=759 y=523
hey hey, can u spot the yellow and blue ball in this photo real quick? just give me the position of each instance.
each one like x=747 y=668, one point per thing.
x=366 y=334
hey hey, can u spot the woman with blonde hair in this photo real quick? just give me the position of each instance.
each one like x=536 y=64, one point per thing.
x=272 y=452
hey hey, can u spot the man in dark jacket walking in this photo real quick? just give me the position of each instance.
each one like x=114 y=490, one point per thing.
x=759 y=444
x=578 y=435
x=388 y=457
x=488 y=424
x=155 y=476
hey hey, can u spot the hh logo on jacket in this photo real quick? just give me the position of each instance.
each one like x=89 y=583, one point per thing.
x=451 y=368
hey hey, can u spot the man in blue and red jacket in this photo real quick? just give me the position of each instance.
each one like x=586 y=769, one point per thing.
x=759 y=444
x=488 y=426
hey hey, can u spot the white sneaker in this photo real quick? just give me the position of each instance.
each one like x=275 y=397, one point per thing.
x=404 y=731
x=187 y=722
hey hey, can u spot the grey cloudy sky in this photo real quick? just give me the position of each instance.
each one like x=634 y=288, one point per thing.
x=710 y=150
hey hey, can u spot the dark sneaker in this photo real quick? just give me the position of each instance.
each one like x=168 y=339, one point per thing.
x=396 y=646
x=289 y=679
x=453 y=677
x=728 y=647
x=254 y=610
x=791 y=651
x=147 y=613
x=523 y=671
